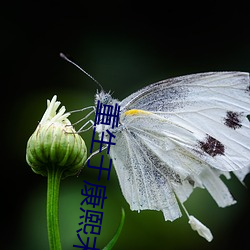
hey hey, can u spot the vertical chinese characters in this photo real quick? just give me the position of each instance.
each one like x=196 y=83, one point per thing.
x=94 y=194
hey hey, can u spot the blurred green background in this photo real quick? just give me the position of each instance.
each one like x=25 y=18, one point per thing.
x=125 y=47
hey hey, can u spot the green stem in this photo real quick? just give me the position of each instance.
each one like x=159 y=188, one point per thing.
x=117 y=234
x=54 y=177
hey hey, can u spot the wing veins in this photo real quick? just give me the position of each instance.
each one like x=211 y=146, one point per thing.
x=144 y=184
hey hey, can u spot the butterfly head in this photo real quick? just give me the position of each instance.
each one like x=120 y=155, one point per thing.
x=105 y=98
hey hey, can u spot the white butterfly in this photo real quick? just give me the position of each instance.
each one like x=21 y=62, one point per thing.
x=178 y=134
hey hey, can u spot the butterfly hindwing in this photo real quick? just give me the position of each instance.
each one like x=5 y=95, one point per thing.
x=153 y=165
x=141 y=183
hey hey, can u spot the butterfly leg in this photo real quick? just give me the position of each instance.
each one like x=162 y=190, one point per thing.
x=82 y=128
x=93 y=154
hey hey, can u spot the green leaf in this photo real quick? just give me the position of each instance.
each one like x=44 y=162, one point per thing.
x=117 y=234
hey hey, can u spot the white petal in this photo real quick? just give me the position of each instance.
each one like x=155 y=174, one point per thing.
x=50 y=109
x=200 y=228
x=51 y=114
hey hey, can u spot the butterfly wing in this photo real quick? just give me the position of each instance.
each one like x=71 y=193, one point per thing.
x=181 y=133
x=138 y=179
x=152 y=168
x=214 y=106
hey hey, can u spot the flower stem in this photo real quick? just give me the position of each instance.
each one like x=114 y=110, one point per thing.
x=54 y=177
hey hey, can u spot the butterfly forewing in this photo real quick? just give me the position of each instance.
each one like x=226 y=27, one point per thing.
x=213 y=106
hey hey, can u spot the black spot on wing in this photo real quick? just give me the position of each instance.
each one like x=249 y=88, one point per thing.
x=212 y=146
x=233 y=119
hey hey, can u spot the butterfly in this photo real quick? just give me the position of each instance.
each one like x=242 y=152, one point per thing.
x=179 y=134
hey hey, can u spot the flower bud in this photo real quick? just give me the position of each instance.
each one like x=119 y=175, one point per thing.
x=55 y=143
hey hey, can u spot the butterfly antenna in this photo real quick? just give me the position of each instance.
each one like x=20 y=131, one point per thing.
x=68 y=60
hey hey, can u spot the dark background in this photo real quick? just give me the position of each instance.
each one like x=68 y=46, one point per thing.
x=125 y=45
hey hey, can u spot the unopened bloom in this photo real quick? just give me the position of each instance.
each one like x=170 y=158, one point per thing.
x=55 y=143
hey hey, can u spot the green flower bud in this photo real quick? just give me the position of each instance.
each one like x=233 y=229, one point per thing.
x=55 y=143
